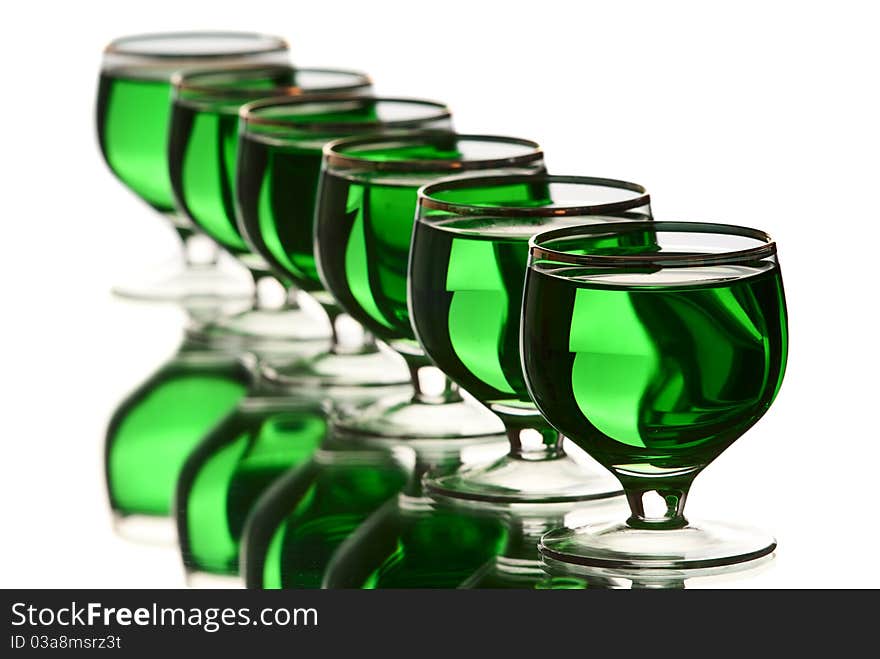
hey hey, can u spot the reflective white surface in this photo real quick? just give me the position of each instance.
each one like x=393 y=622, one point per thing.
x=758 y=114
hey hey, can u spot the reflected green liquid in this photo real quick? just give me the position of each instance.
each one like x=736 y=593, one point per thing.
x=154 y=430
x=226 y=474
x=299 y=524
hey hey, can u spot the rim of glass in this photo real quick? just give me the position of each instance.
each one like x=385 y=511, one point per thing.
x=249 y=113
x=538 y=251
x=120 y=45
x=334 y=157
x=184 y=81
x=426 y=200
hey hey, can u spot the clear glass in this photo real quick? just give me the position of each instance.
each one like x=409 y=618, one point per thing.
x=466 y=275
x=133 y=111
x=279 y=164
x=203 y=150
x=654 y=346
x=365 y=218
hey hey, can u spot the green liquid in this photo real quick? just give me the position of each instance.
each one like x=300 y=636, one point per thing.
x=298 y=525
x=364 y=233
x=155 y=429
x=466 y=283
x=655 y=379
x=133 y=116
x=412 y=543
x=229 y=470
x=203 y=148
x=276 y=189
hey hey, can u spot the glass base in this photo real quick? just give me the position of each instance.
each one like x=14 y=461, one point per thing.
x=329 y=370
x=146 y=529
x=207 y=580
x=270 y=330
x=400 y=417
x=518 y=480
x=576 y=577
x=195 y=284
x=695 y=546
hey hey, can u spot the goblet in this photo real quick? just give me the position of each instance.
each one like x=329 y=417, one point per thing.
x=466 y=275
x=654 y=346
x=203 y=149
x=365 y=219
x=279 y=164
x=156 y=427
x=133 y=112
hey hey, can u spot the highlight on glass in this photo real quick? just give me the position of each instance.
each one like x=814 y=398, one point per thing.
x=133 y=112
x=654 y=346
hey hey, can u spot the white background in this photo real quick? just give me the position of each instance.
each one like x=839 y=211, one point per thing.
x=756 y=113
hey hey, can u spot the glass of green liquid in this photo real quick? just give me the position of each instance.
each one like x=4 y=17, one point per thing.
x=202 y=155
x=133 y=114
x=466 y=276
x=365 y=217
x=654 y=346
x=279 y=165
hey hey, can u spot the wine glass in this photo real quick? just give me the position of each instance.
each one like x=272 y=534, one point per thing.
x=133 y=112
x=466 y=275
x=279 y=164
x=365 y=218
x=203 y=149
x=654 y=346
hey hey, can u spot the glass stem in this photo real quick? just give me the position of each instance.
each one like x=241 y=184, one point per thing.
x=199 y=251
x=348 y=337
x=530 y=436
x=433 y=463
x=659 y=506
x=270 y=294
x=430 y=384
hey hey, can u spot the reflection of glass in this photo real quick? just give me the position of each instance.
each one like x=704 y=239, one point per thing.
x=298 y=524
x=267 y=434
x=156 y=427
x=364 y=228
x=518 y=564
x=469 y=257
x=278 y=172
x=654 y=347
x=571 y=576
x=414 y=542
x=203 y=149
x=133 y=111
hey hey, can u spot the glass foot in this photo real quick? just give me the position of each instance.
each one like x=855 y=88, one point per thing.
x=195 y=284
x=519 y=480
x=559 y=575
x=282 y=331
x=146 y=529
x=400 y=417
x=331 y=371
x=695 y=546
